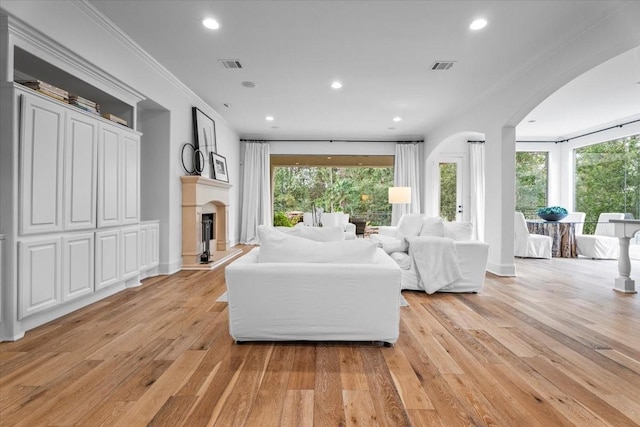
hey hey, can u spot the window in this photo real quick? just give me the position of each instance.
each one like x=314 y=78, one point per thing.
x=531 y=182
x=358 y=191
x=608 y=179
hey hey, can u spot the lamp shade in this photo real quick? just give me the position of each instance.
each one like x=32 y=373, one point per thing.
x=399 y=194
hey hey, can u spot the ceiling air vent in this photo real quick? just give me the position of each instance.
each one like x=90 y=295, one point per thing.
x=230 y=63
x=442 y=65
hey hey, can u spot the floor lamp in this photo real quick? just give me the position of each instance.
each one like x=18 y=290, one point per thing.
x=398 y=195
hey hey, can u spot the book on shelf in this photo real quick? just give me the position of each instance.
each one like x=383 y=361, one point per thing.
x=115 y=118
x=44 y=87
x=54 y=95
x=81 y=100
x=85 y=107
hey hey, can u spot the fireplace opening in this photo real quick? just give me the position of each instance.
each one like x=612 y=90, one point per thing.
x=212 y=229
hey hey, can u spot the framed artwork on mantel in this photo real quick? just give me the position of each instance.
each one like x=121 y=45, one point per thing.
x=204 y=138
x=220 y=171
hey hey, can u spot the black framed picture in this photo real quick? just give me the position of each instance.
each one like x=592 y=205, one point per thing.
x=204 y=137
x=219 y=164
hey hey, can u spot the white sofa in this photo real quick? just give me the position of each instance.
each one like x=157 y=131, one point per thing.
x=332 y=219
x=291 y=288
x=450 y=243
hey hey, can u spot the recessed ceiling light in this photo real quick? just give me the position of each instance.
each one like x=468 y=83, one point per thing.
x=336 y=85
x=397 y=119
x=531 y=121
x=391 y=128
x=210 y=23
x=478 y=24
x=269 y=118
x=249 y=85
x=275 y=127
x=227 y=105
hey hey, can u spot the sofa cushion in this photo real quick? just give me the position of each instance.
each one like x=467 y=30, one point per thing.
x=432 y=226
x=402 y=259
x=409 y=225
x=276 y=246
x=318 y=234
x=458 y=231
x=389 y=243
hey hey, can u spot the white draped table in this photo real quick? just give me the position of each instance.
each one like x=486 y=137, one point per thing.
x=625 y=229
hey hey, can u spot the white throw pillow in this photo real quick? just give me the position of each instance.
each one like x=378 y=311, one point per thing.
x=389 y=243
x=458 y=231
x=432 y=226
x=402 y=259
x=279 y=247
x=318 y=234
x=409 y=225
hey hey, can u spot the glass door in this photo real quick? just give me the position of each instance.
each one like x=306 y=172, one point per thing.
x=450 y=185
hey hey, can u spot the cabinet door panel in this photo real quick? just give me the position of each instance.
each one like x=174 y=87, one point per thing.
x=107 y=258
x=77 y=271
x=154 y=244
x=39 y=275
x=41 y=173
x=108 y=177
x=80 y=172
x=131 y=177
x=130 y=253
x=144 y=252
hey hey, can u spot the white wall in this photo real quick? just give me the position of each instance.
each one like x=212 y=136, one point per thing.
x=92 y=37
x=502 y=109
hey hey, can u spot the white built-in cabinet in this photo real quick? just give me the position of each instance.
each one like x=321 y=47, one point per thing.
x=77 y=265
x=129 y=251
x=40 y=274
x=107 y=258
x=149 y=245
x=79 y=217
x=80 y=171
x=131 y=177
x=41 y=162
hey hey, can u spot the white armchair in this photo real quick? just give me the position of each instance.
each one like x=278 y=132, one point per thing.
x=602 y=244
x=529 y=245
x=333 y=219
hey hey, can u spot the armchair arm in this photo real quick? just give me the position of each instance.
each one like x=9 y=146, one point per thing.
x=386 y=230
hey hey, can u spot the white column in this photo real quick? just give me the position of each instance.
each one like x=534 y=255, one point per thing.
x=500 y=149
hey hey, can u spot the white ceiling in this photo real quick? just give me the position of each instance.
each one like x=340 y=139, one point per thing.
x=382 y=52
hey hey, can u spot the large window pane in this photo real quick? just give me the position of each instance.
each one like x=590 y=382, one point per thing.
x=608 y=179
x=531 y=182
x=358 y=191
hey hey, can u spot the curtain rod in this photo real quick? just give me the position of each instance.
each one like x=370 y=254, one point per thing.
x=326 y=140
x=560 y=141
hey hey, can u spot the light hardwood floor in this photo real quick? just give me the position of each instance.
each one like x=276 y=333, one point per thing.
x=555 y=346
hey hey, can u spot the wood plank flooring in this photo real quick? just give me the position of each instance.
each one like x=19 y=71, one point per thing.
x=555 y=346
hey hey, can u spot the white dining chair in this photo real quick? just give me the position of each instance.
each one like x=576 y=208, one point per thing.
x=602 y=244
x=529 y=245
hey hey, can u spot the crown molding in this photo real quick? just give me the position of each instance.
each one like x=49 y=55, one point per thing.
x=25 y=36
x=99 y=18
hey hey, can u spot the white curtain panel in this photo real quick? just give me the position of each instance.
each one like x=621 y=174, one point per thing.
x=256 y=192
x=407 y=174
x=476 y=156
